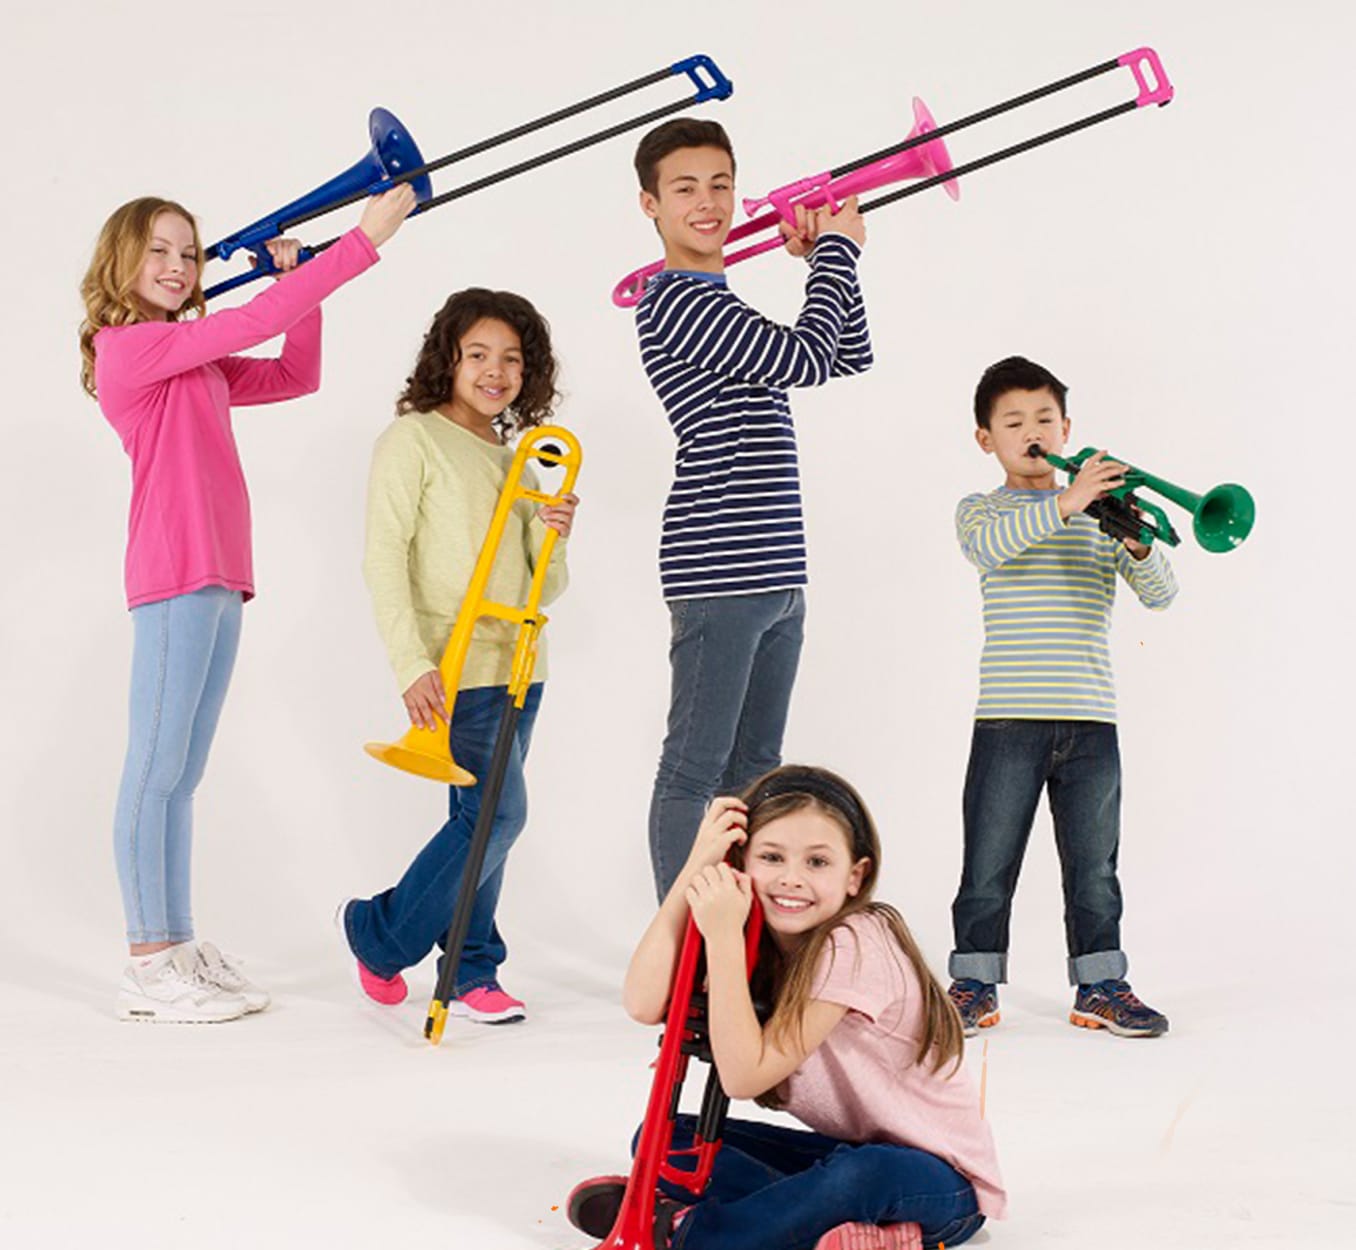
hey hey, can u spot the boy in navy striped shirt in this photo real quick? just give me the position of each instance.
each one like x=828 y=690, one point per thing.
x=732 y=552
x=1046 y=718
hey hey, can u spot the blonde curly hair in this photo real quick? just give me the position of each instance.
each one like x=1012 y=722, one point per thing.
x=112 y=273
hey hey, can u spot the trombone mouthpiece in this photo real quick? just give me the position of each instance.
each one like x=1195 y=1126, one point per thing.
x=1035 y=451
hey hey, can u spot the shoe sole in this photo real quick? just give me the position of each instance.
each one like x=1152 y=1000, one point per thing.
x=986 y=1022
x=872 y=1237
x=593 y=1205
x=168 y=1015
x=1085 y=1020
x=511 y=1015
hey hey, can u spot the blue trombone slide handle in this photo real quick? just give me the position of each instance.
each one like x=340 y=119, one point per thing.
x=263 y=267
x=719 y=88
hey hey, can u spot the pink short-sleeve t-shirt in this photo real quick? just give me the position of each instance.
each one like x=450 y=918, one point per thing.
x=865 y=1083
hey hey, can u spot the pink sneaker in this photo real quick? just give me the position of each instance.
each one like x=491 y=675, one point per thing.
x=872 y=1237
x=488 y=1004
x=386 y=991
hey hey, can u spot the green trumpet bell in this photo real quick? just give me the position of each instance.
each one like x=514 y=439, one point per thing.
x=1223 y=518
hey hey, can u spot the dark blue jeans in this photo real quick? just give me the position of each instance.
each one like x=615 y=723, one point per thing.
x=398 y=927
x=1011 y=761
x=733 y=662
x=776 y=1188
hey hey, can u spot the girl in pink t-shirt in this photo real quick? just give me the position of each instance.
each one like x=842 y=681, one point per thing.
x=863 y=1045
x=167 y=386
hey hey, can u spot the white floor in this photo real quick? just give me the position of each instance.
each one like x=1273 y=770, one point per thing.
x=328 y=1122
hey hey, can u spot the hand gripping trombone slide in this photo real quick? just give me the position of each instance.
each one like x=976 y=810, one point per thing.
x=427 y=752
x=394 y=158
x=686 y=1036
x=1220 y=519
x=921 y=155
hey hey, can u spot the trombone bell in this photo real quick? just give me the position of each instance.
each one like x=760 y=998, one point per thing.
x=425 y=753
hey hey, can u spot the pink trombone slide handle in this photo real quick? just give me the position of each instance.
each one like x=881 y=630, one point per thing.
x=627 y=292
x=1159 y=94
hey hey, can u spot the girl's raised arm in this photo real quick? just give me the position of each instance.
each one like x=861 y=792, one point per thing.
x=151 y=351
x=649 y=977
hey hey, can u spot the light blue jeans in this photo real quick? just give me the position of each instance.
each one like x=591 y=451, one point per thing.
x=183 y=652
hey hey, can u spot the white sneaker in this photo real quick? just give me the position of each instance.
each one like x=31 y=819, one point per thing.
x=226 y=973
x=170 y=987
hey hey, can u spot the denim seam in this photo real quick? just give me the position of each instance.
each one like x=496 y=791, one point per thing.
x=145 y=777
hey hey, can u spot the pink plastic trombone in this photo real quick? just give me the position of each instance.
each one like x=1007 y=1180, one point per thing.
x=922 y=155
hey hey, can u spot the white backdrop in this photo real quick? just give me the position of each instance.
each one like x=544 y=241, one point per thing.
x=1186 y=270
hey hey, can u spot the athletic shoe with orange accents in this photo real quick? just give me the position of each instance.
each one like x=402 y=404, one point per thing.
x=977 y=1002
x=872 y=1237
x=1112 y=1005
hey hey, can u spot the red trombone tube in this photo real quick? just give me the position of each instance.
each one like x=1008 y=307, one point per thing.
x=634 y=1226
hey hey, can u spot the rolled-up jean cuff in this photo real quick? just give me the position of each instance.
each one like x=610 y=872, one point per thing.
x=991 y=967
x=1099 y=966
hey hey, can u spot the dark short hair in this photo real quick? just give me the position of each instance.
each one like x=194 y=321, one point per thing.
x=431 y=382
x=681 y=132
x=1016 y=373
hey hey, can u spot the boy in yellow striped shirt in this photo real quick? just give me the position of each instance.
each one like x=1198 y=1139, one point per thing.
x=1046 y=718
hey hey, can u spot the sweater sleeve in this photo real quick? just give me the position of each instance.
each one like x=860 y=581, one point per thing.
x=295 y=372
x=706 y=326
x=990 y=538
x=394 y=489
x=1151 y=579
x=854 y=341
x=151 y=351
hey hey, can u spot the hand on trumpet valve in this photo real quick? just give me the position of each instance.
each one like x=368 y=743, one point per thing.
x=560 y=516
x=426 y=701
x=382 y=214
x=1095 y=478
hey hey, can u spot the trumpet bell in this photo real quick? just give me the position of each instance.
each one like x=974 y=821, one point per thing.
x=425 y=753
x=1224 y=517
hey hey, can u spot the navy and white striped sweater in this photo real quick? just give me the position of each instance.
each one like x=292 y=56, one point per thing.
x=732 y=523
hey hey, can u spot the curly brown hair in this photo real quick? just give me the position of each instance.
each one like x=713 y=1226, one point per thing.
x=430 y=385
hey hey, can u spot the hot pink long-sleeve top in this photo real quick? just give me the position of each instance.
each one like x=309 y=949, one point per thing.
x=167 y=388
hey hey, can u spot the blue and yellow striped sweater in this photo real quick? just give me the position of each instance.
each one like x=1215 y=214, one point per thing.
x=1048 y=586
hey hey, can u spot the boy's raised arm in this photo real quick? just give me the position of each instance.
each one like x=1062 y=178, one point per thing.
x=990 y=538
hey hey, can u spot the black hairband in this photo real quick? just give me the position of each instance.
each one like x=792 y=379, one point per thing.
x=816 y=786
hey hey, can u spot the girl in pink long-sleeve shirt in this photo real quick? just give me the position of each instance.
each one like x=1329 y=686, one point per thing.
x=167 y=387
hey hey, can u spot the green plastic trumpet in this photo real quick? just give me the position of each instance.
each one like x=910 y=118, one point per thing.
x=1221 y=518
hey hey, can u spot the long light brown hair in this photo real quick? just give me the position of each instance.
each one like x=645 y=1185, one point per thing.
x=113 y=271
x=787 y=979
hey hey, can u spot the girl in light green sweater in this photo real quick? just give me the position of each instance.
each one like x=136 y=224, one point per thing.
x=485 y=372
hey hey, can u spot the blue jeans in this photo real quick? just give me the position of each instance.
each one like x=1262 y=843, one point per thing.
x=183 y=651
x=1011 y=761
x=395 y=929
x=785 y=1188
x=733 y=662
